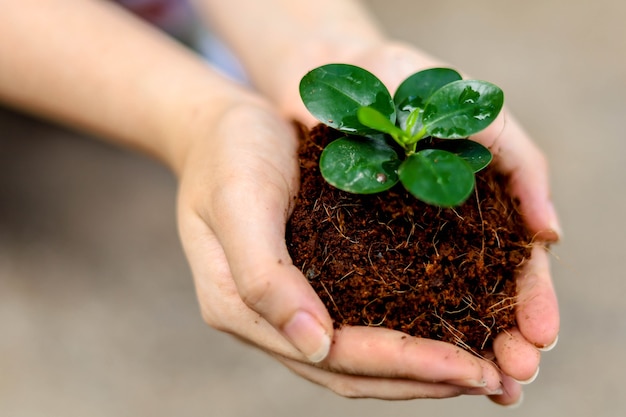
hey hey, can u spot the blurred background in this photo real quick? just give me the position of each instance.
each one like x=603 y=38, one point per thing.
x=98 y=315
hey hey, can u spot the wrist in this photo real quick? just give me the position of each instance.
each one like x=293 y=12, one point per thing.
x=193 y=120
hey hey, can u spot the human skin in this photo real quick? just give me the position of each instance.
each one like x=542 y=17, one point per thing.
x=90 y=65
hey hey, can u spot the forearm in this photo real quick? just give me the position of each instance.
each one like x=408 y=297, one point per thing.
x=89 y=64
x=278 y=40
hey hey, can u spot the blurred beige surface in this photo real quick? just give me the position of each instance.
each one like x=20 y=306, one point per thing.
x=98 y=315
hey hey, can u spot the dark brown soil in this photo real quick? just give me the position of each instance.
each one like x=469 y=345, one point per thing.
x=392 y=261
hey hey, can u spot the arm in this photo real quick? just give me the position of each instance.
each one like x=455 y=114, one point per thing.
x=293 y=35
x=89 y=65
x=92 y=65
x=305 y=34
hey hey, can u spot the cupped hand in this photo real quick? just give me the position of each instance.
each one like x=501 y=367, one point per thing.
x=237 y=184
x=515 y=155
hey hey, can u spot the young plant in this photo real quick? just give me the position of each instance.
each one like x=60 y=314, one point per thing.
x=398 y=139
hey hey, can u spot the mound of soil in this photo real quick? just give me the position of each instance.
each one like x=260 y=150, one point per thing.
x=390 y=260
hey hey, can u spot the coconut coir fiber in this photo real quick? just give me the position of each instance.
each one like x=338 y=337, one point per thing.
x=390 y=260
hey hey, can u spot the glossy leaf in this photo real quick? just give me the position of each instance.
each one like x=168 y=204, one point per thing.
x=475 y=154
x=374 y=119
x=415 y=90
x=437 y=177
x=333 y=94
x=462 y=108
x=360 y=165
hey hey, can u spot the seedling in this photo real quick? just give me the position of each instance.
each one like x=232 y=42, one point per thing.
x=417 y=137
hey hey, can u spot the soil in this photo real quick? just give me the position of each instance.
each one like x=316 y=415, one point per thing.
x=390 y=260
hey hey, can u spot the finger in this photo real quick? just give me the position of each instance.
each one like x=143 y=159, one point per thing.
x=356 y=386
x=517 y=358
x=360 y=350
x=519 y=158
x=537 y=310
x=512 y=394
x=537 y=319
x=247 y=212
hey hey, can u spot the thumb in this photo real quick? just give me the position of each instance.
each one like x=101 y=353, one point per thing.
x=251 y=231
x=247 y=212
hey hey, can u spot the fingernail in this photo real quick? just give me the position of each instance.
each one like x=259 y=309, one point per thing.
x=308 y=336
x=468 y=383
x=555 y=226
x=549 y=347
x=531 y=379
x=473 y=383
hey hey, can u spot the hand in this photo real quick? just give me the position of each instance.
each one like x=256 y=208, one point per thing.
x=237 y=183
x=517 y=352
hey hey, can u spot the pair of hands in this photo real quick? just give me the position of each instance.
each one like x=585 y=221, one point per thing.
x=237 y=186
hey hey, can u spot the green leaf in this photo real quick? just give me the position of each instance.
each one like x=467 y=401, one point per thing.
x=415 y=90
x=333 y=94
x=372 y=118
x=437 y=177
x=462 y=108
x=475 y=154
x=360 y=165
